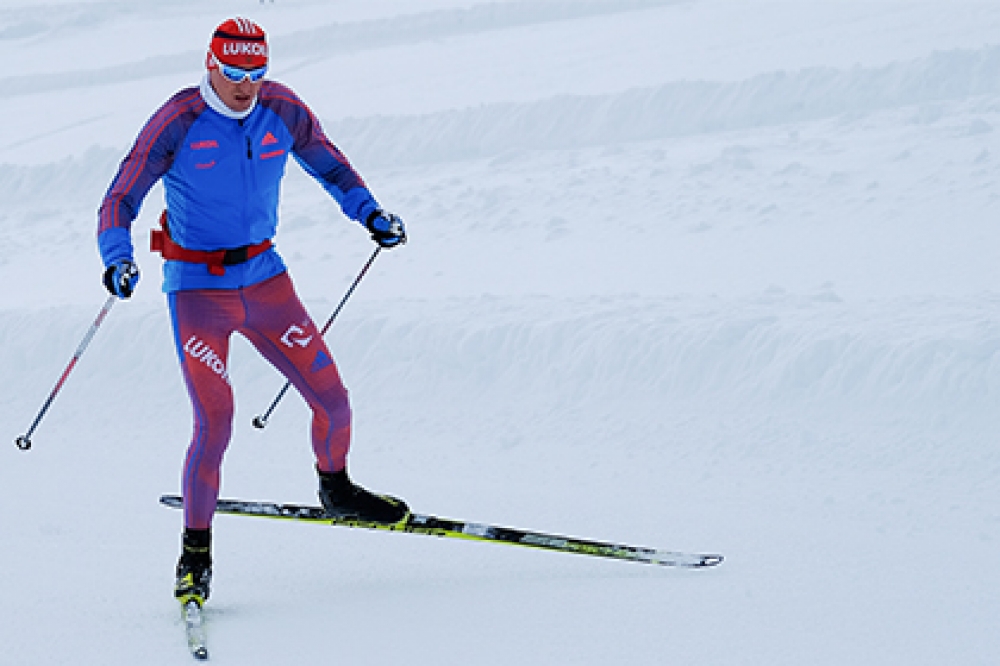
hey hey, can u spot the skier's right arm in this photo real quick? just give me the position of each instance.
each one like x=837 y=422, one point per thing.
x=150 y=157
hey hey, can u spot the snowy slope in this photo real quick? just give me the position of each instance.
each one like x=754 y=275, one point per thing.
x=699 y=275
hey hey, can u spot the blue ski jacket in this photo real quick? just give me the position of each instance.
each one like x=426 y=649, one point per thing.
x=222 y=180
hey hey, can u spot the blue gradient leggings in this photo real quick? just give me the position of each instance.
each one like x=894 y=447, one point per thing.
x=272 y=318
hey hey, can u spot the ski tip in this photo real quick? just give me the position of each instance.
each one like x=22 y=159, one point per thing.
x=710 y=560
x=201 y=654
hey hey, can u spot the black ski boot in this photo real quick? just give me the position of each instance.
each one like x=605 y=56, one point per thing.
x=194 y=568
x=343 y=499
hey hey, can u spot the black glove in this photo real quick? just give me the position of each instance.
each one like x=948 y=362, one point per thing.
x=386 y=228
x=121 y=277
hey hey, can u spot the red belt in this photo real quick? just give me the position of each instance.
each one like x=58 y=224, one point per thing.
x=160 y=241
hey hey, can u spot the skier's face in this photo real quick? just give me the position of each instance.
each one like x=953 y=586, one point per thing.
x=237 y=96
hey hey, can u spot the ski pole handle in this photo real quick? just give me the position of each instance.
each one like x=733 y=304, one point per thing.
x=24 y=441
x=260 y=421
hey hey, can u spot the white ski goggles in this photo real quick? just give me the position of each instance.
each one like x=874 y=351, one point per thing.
x=238 y=74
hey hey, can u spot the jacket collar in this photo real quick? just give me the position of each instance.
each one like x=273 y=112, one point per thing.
x=216 y=104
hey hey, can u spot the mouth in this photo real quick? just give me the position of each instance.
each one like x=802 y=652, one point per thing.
x=242 y=101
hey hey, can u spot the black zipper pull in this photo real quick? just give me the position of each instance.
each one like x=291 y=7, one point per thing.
x=249 y=149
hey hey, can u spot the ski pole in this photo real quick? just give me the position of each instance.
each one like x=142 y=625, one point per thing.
x=260 y=420
x=24 y=441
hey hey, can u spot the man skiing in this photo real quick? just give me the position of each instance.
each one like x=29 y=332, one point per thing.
x=221 y=149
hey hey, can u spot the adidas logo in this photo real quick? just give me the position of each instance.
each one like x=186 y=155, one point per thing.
x=321 y=361
x=268 y=140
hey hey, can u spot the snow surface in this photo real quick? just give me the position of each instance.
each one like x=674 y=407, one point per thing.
x=702 y=275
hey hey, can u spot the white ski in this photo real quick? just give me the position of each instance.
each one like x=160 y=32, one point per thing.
x=194 y=626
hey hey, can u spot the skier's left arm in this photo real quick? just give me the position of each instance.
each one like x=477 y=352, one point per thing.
x=327 y=164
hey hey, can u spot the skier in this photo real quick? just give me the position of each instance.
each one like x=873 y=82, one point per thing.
x=221 y=148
